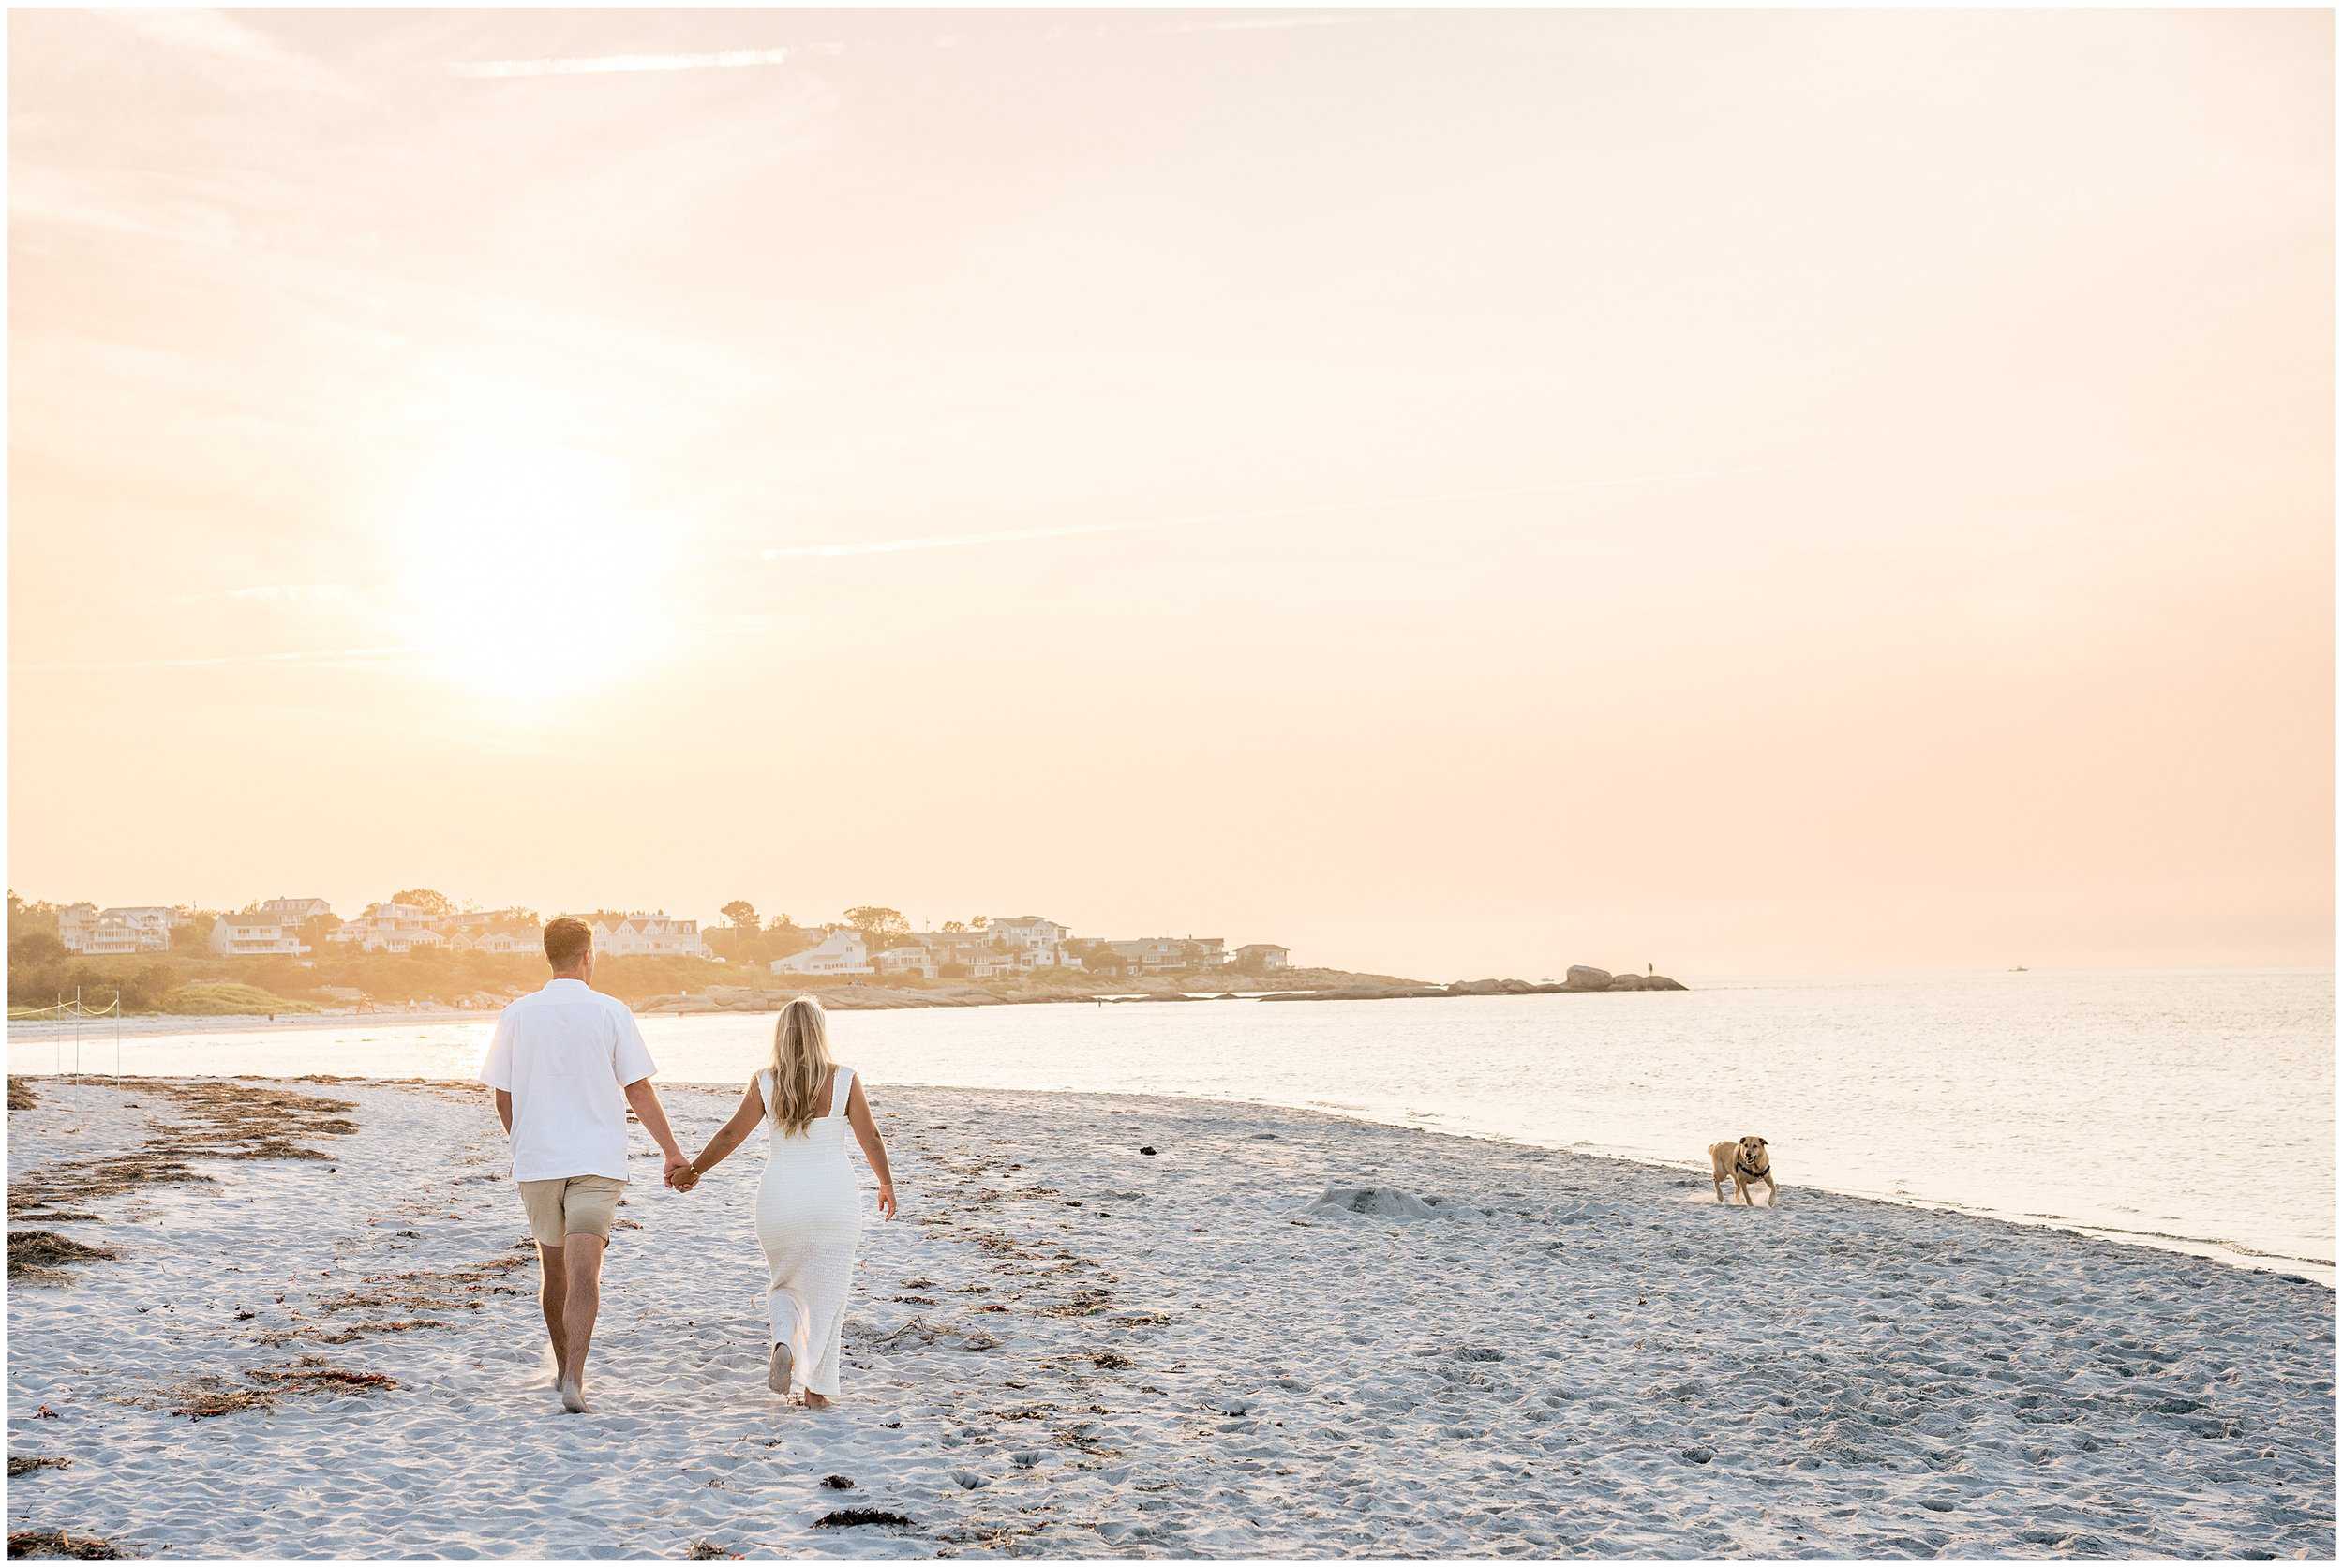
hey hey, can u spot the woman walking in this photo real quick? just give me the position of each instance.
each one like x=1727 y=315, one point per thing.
x=809 y=1215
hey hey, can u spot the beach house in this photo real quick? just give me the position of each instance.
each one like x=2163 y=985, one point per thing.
x=390 y=928
x=840 y=951
x=1040 y=943
x=657 y=935
x=1168 y=955
x=256 y=936
x=1258 y=958
x=139 y=928
x=492 y=930
x=294 y=911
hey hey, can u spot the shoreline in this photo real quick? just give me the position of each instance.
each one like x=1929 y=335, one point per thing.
x=2229 y=1254
x=1232 y=1346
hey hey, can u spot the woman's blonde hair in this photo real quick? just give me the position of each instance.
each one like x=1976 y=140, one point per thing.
x=801 y=1065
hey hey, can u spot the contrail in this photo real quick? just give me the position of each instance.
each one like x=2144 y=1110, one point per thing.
x=597 y=64
x=1274 y=513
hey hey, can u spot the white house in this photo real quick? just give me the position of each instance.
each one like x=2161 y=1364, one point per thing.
x=503 y=940
x=390 y=928
x=1259 y=957
x=1164 y=955
x=141 y=928
x=628 y=935
x=841 y=951
x=1042 y=942
x=909 y=958
x=492 y=930
x=983 y=953
x=294 y=911
x=255 y=935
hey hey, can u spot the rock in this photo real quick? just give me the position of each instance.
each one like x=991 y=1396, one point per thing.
x=1661 y=982
x=838 y=1483
x=1627 y=982
x=1582 y=976
x=1146 y=1148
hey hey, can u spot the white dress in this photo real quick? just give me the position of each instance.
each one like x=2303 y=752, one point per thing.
x=809 y=1219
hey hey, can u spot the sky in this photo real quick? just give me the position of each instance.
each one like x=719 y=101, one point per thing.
x=1455 y=494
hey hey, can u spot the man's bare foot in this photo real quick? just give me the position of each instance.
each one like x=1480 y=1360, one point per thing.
x=816 y=1401
x=573 y=1397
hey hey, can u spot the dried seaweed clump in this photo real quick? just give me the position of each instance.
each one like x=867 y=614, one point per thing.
x=312 y=1374
x=224 y=1120
x=44 y=1254
x=56 y=1542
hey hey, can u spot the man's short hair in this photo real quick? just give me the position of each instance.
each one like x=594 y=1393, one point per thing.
x=568 y=942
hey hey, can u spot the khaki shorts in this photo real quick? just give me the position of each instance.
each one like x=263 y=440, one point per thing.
x=571 y=1206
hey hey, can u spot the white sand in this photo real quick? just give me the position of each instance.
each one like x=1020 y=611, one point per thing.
x=1070 y=1348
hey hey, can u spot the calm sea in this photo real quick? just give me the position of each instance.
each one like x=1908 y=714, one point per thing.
x=2189 y=1109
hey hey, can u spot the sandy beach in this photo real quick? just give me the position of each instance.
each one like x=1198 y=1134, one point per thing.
x=1070 y=1347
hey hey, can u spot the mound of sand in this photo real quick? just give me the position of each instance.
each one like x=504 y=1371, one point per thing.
x=1388 y=1202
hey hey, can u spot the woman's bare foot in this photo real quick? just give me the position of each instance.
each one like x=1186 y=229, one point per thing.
x=572 y=1397
x=777 y=1371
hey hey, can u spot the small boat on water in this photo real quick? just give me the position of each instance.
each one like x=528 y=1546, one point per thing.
x=2017 y=968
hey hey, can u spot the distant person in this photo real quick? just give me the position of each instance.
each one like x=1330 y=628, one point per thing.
x=808 y=1212
x=565 y=1064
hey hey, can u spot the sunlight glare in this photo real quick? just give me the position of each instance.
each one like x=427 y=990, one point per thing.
x=527 y=579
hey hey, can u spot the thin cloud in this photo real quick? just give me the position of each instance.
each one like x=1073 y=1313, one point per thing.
x=948 y=541
x=1264 y=23
x=274 y=593
x=602 y=65
x=295 y=656
x=1215 y=519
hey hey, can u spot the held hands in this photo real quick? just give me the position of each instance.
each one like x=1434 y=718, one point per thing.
x=680 y=1175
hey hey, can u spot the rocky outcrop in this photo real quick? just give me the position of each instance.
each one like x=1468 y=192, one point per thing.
x=1585 y=977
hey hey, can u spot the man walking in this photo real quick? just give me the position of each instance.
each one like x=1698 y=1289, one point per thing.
x=565 y=1064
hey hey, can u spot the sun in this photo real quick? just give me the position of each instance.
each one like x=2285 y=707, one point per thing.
x=527 y=579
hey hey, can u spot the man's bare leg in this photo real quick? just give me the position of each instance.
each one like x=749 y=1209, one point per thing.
x=583 y=1300
x=552 y=1287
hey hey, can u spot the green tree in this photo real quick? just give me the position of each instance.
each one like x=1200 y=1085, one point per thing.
x=954 y=927
x=429 y=901
x=875 y=922
x=35 y=947
x=26 y=919
x=741 y=913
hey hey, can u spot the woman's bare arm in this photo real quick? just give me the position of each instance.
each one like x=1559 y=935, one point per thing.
x=729 y=1137
x=866 y=1133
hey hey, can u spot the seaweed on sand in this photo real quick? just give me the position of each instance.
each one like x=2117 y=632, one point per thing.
x=43 y=1254
x=214 y=1396
x=56 y=1542
x=849 y=1518
x=26 y=1464
x=221 y=1120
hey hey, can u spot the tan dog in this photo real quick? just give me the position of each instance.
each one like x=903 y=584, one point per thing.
x=1748 y=1163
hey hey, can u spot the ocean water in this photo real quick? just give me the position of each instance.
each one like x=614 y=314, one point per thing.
x=2187 y=1109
